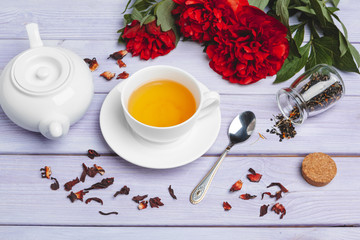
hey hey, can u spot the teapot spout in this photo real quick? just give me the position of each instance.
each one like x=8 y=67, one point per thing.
x=34 y=35
x=54 y=129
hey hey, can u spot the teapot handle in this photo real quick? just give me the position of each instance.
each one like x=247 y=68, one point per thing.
x=34 y=35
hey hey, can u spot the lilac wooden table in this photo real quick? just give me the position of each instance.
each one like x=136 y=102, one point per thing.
x=30 y=210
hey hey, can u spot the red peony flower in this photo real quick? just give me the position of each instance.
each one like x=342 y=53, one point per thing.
x=253 y=47
x=200 y=20
x=148 y=40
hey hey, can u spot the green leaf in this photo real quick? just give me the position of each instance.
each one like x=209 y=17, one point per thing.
x=334 y=2
x=314 y=33
x=143 y=5
x=332 y=9
x=355 y=53
x=127 y=5
x=128 y=19
x=343 y=26
x=346 y=63
x=294 y=65
x=299 y=36
x=323 y=50
x=293 y=28
x=318 y=8
x=305 y=9
x=147 y=19
x=163 y=13
x=343 y=46
x=135 y=3
x=327 y=14
x=294 y=49
x=283 y=12
x=136 y=15
x=259 y=3
x=164 y=17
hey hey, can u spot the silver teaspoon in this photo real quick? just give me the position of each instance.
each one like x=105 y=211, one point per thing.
x=239 y=131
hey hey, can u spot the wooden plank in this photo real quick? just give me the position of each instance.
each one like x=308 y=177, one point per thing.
x=335 y=131
x=99 y=20
x=188 y=56
x=180 y=233
x=25 y=198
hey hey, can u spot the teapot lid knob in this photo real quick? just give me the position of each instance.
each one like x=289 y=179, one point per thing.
x=40 y=70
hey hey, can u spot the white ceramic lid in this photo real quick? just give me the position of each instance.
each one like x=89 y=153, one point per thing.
x=41 y=70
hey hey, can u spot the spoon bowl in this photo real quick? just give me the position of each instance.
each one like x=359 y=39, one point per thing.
x=241 y=128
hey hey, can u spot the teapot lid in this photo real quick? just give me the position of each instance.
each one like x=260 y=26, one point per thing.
x=41 y=70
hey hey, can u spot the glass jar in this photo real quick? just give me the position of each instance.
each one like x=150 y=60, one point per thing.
x=315 y=91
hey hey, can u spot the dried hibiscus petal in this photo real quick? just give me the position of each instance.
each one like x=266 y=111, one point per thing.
x=277 y=195
x=118 y=55
x=84 y=173
x=120 y=63
x=247 y=196
x=103 y=184
x=99 y=169
x=80 y=194
x=171 y=192
x=68 y=186
x=92 y=171
x=155 y=202
x=108 y=75
x=72 y=196
x=143 y=205
x=279 y=208
x=77 y=196
x=108 y=213
x=267 y=193
x=139 y=198
x=283 y=189
x=236 y=186
x=253 y=177
x=93 y=64
x=54 y=186
x=226 y=206
x=263 y=210
x=92 y=154
x=123 y=75
x=45 y=172
x=94 y=199
x=124 y=190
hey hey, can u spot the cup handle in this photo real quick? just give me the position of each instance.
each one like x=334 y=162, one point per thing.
x=210 y=102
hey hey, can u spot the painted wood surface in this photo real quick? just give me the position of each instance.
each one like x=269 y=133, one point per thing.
x=188 y=55
x=180 y=233
x=29 y=209
x=333 y=132
x=26 y=198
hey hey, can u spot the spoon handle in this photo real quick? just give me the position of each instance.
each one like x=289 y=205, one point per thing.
x=200 y=190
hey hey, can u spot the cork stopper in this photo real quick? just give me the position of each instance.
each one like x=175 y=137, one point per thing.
x=318 y=169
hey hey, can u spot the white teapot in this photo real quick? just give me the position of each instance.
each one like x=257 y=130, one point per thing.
x=45 y=89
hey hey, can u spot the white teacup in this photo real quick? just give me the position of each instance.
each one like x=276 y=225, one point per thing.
x=206 y=102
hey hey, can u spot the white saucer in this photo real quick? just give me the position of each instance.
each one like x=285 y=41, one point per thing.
x=141 y=152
